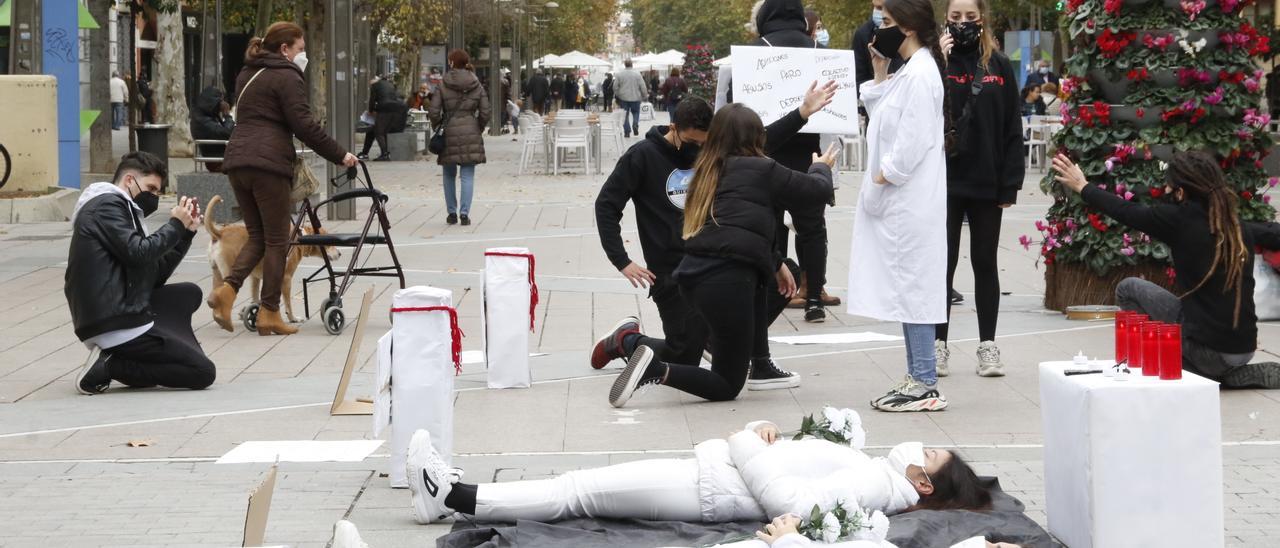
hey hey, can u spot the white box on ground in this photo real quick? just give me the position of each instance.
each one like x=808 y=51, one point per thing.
x=422 y=372
x=508 y=293
x=1135 y=463
x=773 y=81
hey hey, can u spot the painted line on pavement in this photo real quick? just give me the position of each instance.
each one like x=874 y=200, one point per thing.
x=165 y=419
x=974 y=339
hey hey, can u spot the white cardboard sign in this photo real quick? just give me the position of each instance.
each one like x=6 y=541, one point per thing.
x=772 y=82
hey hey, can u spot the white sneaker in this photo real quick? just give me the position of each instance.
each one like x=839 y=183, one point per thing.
x=942 y=354
x=989 y=360
x=345 y=535
x=428 y=480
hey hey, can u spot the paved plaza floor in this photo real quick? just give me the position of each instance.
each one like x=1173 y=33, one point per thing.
x=71 y=477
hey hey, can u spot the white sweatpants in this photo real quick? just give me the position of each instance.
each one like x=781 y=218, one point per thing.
x=659 y=489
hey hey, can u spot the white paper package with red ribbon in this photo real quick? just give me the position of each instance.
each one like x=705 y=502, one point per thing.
x=510 y=298
x=424 y=359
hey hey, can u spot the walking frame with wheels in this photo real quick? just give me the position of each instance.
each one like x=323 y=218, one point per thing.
x=331 y=307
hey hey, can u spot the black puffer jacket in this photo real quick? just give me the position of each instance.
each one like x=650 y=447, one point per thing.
x=741 y=225
x=113 y=265
x=208 y=123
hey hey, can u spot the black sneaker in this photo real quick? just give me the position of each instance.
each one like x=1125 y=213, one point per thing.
x=363 y=156
x=956 y=297
x=383 y=158
x=1264 y=375
x=813 y=311
x=639 y=372
x=94 y=377
x=610 y=347
x=766 y=375
x=451 y=219
x=466 y=221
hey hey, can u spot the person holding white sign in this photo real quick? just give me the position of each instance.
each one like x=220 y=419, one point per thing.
x=898 y=262
x=984 y=165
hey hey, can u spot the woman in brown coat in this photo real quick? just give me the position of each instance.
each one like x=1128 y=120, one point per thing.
x=463 y=107
x=259 y=162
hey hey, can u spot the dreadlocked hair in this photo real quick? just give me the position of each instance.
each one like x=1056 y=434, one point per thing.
x=1199 y=175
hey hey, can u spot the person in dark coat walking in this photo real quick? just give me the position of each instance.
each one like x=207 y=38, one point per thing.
x=386 y=108
x=606 y=88
x=211 y=121
x=539 y=91
x=557 y=89
x=654 y=84
x=462 y=109
x=271 y=99
x=569 y=92
x=673 y=90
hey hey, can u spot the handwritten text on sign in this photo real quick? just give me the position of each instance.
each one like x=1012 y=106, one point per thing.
x=772 y=81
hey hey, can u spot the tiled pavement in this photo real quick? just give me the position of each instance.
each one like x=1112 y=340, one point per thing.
x=72 y=479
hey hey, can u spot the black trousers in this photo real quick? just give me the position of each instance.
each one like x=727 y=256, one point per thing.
x=811 y=246
x=381 y=123
x=736 y=308
x=686 y=332
x=984 y=240
x=167 y=354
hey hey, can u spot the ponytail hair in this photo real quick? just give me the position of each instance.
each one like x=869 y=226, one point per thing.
x=918 y=16
x=281 y=33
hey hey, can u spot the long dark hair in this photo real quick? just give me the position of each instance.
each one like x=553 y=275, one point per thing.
x=956 y=487
x=735 y=131
x=282 y=33
x=917 y=15
x=1199 y=175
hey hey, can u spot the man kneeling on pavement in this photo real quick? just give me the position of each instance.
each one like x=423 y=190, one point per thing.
x=138 y=329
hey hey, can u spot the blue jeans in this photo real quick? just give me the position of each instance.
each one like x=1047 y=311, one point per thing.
x=468 y=183
x=117 y=115
x=922 y=365
x=630 y=117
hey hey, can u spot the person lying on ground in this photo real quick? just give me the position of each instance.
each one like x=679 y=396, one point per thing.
x=1212 y=252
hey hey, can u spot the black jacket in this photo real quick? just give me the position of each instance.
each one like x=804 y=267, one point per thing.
x=207 y=122
x=570 y=91
x=781 y=24
x=382 y=97
x=557 y=86
x=1208 y=312
x=654 y=175
x=539 y=88
x=607 y=87
x=741 y=227
x=987 y=163
x=112 y=266
x=862 y=58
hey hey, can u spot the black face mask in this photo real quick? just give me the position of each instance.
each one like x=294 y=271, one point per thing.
x=888 y=40
x=148 y=201
x=966 y=35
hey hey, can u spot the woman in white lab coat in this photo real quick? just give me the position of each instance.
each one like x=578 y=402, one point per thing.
x=899 y=260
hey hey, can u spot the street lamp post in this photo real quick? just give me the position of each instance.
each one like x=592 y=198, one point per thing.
x=496 y=103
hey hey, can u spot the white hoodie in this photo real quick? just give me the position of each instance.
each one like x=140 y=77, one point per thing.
x=744 y=478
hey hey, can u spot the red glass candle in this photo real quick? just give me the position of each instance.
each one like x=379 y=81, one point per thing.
x=1122 y=332
x=1171 y=352
x=1134 y=340
x=1151 y=349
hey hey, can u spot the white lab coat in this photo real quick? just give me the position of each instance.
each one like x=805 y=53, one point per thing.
x=897 y=269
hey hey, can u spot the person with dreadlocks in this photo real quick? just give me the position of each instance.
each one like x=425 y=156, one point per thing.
x=1212 y=255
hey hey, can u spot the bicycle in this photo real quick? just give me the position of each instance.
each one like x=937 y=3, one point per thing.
x=6 y=166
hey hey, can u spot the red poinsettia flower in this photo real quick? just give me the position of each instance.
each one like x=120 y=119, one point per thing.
x=1113 y=6
x=1073 y=5
x=1096 y=221
x=1157 y=192
x=1246 y=195
x=1112 y=43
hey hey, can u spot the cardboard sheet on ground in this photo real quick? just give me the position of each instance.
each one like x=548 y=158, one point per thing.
x=300 y=451
x=255 y=516
x=341 y=405
x=773 y=81
x=836 y=338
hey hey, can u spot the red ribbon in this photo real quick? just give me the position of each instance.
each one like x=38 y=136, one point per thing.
x=533 y=293
x=455 y=332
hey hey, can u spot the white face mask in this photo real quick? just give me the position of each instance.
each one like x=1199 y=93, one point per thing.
x=301 y=60
x=823 y=38
x=877 y=17
x=906 y=454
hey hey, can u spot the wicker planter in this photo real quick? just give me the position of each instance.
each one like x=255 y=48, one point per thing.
x=1074 y=284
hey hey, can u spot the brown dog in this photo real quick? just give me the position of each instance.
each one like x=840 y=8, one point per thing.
x=227 y=240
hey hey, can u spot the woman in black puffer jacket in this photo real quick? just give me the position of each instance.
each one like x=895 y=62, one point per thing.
x=729 y=254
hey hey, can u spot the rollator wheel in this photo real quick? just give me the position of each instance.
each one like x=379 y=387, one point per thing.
x=249 y=315
x=334 y=320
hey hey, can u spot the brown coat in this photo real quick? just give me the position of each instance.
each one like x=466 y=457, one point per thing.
x=273 y=111
x=467 y=105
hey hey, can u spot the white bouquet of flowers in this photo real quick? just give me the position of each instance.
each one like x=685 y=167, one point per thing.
x=842 y=523
x=843 y=426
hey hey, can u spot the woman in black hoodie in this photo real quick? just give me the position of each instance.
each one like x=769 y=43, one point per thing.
x=984 y=165
x=729 y=253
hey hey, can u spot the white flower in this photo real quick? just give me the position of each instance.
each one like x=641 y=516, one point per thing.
x=830 y=528
x=1163 y=165
x=879 y=526
x=835 y=418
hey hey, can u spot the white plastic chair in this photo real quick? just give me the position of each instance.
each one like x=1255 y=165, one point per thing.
x=854 y=152
x=611 y=131
x=533 y=145
x=571 y=137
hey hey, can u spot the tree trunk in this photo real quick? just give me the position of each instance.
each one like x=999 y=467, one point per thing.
x=170 y=86
x=100 y=156
x=265 y=8
x=318 y=67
